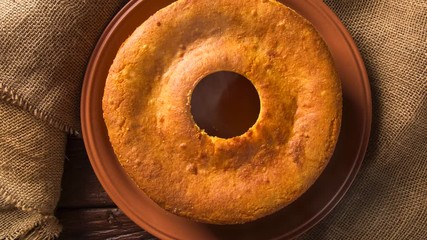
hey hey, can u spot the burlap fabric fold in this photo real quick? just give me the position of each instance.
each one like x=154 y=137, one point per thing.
x=388 y=199
x=44 y=48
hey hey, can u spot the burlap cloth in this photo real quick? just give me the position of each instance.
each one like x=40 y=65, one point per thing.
x=44 y=49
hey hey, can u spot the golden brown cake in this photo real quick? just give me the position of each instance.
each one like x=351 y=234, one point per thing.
x=146 y=107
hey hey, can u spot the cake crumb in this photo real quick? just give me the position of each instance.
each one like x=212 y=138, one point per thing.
x=192 y=168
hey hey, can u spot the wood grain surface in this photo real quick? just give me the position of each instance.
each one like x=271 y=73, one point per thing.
x=85 y=210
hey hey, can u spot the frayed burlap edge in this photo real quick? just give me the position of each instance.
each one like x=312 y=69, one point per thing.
x=9 y=199
x=11 y=97
x=38 y=230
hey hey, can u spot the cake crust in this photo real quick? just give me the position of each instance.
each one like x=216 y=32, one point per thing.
x=146 y=107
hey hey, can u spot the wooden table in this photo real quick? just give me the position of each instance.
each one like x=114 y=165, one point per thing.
x=85 y=210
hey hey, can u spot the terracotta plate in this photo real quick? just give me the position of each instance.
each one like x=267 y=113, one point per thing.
x=287 y=223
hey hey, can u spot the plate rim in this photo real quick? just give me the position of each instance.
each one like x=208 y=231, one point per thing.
x=121 y=202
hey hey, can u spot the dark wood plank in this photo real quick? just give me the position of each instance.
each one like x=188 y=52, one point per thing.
x=80 y=187
x=102 y=223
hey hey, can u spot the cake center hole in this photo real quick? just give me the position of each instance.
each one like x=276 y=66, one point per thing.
x=225 y=104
